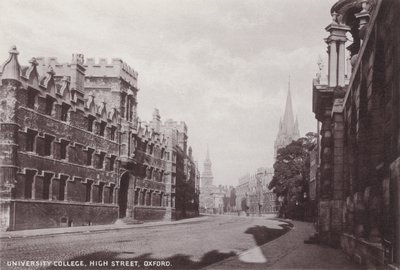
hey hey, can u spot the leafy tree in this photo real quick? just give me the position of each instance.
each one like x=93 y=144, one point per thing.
x=291 y=175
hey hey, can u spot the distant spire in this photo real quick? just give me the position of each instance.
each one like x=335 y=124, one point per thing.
x=208 y=154
x=288 y=127
x=207 y=175
x=296 y=127
x=288 y=119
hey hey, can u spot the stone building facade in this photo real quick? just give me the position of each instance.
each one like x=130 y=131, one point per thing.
x=359 y=113
x=253 y=189
x=182 y=183
x=73 y=151
x=242 y=191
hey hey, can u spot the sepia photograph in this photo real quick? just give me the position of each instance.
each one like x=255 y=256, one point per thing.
x=199 y=134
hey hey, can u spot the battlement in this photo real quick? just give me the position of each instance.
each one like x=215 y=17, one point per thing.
x=180 y=126
x=114 y=67
x=102 y=67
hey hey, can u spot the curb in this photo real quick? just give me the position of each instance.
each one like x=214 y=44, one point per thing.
x=88 y=231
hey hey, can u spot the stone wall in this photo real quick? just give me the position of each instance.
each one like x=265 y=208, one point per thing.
x=45 y=214
x=358 y=186
x=149 y=213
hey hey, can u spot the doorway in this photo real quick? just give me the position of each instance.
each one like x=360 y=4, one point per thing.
x=123 y=195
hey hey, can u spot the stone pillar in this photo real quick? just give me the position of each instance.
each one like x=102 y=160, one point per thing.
x=337 y=59
x=91 y=191
x=130 y=197
x=341 y=64
x=332 y=75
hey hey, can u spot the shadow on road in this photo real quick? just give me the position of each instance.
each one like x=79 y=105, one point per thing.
x=263 y=234
x=112 y=260
x=178 y=261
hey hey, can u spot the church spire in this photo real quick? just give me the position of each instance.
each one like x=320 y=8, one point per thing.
x=288 y=119
x=288 y=127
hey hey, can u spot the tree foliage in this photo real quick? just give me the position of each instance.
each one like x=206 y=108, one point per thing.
x=292 y=172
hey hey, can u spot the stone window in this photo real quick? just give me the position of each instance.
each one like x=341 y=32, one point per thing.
x=48 y=140
x=112 y=132
x=46 y=186
x=30 y=140
x=31 y=98
x=100 y=161
x=90 y=121
x=61 y=191
x=173 y=180
x=149 y=198
x=142 y=201
x=89 y=156
x=49 y=105
x=63 y=149
x=112 y=163
x=88 y=190
x=29 y=176
x=136 y=198
x=101 y=128
x=100 y=193
x=111 y=196
x=161 y=199
x=64 y=111
x=129 y=143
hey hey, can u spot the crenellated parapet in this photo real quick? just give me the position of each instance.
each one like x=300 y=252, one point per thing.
x=111 y=68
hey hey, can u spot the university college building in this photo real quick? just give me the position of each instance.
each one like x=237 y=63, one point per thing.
x=73 y=151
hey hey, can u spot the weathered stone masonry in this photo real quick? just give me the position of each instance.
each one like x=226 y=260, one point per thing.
x=73 y=151
x=358 y=204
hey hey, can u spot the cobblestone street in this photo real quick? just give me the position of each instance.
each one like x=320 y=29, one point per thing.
x=233 y=243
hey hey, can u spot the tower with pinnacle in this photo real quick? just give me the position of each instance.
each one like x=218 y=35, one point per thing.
x=288 y=126
x=207 y=176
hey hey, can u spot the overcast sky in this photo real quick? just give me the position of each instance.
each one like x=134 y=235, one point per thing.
x=221 y=66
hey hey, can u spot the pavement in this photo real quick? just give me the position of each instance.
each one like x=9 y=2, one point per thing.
x=97 y=228
x=289 y=252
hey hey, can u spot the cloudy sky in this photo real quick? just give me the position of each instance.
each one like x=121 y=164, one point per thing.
x=221 y=66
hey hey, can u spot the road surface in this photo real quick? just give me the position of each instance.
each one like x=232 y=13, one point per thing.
x=178 y=246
